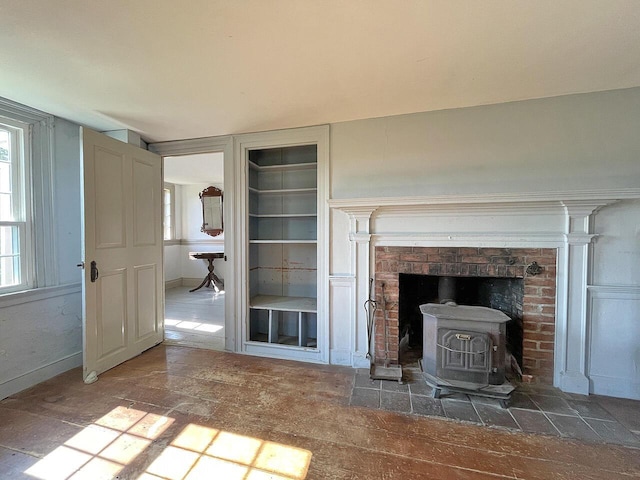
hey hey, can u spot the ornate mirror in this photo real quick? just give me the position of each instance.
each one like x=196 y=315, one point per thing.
x=211 y=198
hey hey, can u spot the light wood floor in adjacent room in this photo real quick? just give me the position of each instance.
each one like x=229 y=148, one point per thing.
x=194 y=319
x=182 y=413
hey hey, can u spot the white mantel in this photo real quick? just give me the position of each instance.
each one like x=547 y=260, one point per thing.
x=561 y=220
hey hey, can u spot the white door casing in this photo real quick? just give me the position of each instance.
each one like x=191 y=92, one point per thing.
x=122 y=232
x=231 y=280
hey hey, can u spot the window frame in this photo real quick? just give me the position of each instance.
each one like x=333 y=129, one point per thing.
x=21 y=200
x=39 y=181
x=172 y=213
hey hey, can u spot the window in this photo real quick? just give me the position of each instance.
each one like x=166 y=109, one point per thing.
x=168 y=208
x=14 y=225
x=29 y=257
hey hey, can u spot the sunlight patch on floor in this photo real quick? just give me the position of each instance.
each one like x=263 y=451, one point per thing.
x=102 y=451
x=197 y=326
x=202 y=453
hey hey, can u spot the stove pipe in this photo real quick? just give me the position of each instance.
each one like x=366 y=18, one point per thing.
x=447 y=290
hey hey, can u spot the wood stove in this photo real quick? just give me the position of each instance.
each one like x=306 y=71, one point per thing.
x=464 y=350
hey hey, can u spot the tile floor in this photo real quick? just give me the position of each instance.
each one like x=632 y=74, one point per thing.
x=178 y=413
x=194 y=319
x=533 y=409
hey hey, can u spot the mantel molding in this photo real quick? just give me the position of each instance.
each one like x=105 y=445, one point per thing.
x=579 y=238
x=470 y=239
x=584 y=208
x=358 y=211
x=360 y=237
x=447 y=209
x=540 y=200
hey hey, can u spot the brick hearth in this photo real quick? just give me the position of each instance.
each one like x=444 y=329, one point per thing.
x=538 y=303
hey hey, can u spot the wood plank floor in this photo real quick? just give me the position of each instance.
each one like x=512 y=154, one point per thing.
x=194 y=319
x=182 y=413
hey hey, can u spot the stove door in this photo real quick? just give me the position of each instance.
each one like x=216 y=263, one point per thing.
x=464 y=355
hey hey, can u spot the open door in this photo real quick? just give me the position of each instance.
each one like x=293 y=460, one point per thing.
x=122 y=285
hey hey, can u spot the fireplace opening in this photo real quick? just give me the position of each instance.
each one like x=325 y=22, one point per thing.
x=534 y=267
x=504 y=294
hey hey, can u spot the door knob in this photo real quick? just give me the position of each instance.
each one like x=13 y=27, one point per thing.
x=94 y=271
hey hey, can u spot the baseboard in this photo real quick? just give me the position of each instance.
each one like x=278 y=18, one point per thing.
x=359 y=360
x=340 y=357
x=177 y=282
x=40 y=374
x=182 y=282
x=574 y=382
x=615 y=387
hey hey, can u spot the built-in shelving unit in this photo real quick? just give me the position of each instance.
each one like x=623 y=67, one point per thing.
x=287 y=191
x=283 y=225
x=282 y=215
x=283 y=241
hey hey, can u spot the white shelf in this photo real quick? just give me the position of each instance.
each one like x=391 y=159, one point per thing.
x=283 y=215
x=263 y=345
x=283 y=191
x=284 y=304
x=291 y=166
x=284 y=241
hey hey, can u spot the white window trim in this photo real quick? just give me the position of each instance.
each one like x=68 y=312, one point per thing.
x=172 y=191
x=40 y=199
x=21 y=191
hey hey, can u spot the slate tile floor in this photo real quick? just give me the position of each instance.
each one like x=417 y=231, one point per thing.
x=533 y=409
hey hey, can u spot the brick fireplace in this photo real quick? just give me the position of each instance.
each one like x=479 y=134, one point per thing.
x=538 y=303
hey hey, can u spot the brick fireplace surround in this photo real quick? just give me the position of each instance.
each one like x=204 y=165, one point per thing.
x=538 y=303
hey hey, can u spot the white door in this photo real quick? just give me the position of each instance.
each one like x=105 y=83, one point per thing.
x=123 y=294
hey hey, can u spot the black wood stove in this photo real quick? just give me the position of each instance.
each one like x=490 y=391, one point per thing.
x=464 y=350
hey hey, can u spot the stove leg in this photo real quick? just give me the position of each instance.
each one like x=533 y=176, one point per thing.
x=436 y=393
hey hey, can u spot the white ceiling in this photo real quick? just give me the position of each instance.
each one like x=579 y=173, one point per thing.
x=172 y=70
x=203 y=168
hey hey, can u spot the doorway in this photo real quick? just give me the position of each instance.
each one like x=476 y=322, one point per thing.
x=194 y=306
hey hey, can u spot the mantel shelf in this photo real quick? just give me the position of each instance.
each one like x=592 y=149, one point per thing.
x=284 y=304
x=528 y=200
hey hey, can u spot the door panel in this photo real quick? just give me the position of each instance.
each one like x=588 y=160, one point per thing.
x=111 y=314
x=108 y=184
x=146 y=321
x=144 y=225
x=122 y=231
